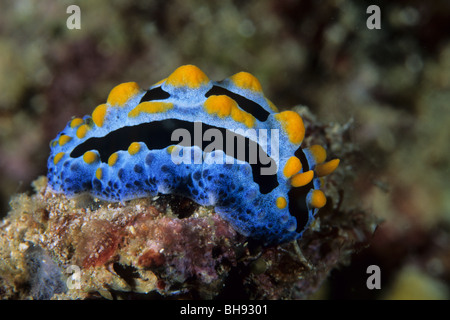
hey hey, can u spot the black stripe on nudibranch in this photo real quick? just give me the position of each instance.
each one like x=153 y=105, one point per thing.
x=245 y=104
x=297 y=196
x=155 y=94
x=157 y=135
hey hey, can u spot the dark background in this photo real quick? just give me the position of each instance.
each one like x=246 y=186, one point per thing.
x=393 y=83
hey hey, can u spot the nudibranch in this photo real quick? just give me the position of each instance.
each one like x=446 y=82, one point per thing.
x=219 y=143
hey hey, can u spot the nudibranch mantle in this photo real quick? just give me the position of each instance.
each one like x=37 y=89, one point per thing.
x=167 y=140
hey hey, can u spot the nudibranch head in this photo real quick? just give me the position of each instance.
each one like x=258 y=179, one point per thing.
x=219 y=143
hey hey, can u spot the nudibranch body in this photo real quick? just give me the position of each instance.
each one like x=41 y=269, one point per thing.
x=221 y=144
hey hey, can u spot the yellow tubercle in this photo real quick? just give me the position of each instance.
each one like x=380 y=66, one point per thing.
x=318 y=152
x=63 y=139
x=113 y=159
x=99 y=173
x=121 y=93
x=223 y=106
x=76 y=122
x=281 y=202
x=134 y=148
x=327 y=167
x=81 y=131
x=58 y=157
x=89 y=157
x=293 y=125
x=247 y=81
x=187 y=76
x=220 y=105
x=98 y=115
x=318 y=199
x=150 y=107
x=292 y=166
x=243 y=117
x=302 y=179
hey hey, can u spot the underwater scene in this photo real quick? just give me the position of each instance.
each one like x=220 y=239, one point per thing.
x=218 y=150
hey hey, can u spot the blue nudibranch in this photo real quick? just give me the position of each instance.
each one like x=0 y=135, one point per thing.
x=167 y=140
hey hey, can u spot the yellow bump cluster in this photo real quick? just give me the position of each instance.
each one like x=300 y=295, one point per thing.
x=76 y=122
x=293 y=125
x=121 y=93
x=99 y=174
x=302 y=179
x=281 y=202
x=150 y=107
x=134 y=148
x=326 y=168
x=318 y=152
x=89 y=157
x=247 y=81
x=113 y=159
x=58 y=157
x=81 y=131
x=318 y=199
x=98 y=115
x=187 y=76
x=63 y=139
x=223 y=106
x=292 y=166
